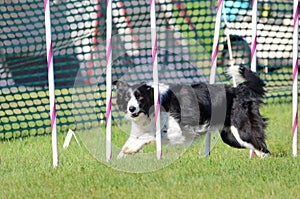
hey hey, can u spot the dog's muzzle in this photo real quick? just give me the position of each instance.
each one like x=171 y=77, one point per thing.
x=134 y=114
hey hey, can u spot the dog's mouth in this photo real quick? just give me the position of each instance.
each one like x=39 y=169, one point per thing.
x=134 y=115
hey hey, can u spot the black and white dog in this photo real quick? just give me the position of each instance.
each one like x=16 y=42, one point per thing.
x=188 y=110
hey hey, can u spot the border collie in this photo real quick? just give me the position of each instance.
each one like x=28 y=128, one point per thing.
x=189 y=110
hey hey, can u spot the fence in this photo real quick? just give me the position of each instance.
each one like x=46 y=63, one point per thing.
x=185 y=36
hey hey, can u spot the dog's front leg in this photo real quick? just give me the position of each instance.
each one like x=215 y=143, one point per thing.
x=135 y=144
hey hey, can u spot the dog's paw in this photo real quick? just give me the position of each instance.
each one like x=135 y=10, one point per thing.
x=133 y=145
x=261 y=154
x=132 y=149
x=121 y=155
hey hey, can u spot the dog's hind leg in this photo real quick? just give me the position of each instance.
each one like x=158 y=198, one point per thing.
x=229 y=139
x=261 y=152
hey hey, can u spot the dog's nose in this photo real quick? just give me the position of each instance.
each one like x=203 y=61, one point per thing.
x=131 y=109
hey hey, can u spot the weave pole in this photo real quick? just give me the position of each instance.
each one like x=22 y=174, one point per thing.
x=212 y=78
x=108 y=79
x=155 y=79
x=295 y=80
x=254 y=37
x=51 y=83
x=253 y=46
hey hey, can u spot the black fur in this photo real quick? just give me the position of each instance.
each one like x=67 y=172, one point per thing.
x=202 y=104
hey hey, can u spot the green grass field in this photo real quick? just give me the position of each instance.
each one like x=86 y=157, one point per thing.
x=26 y=170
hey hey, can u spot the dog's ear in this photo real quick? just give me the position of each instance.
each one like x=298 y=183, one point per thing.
x=122 y=94
x=115 y=82
x=143 y=83
x=121 y=85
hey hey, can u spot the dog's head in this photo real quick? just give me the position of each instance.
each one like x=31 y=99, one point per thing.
x=135 y=100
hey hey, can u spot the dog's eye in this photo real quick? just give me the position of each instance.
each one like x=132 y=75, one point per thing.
x=140 y=98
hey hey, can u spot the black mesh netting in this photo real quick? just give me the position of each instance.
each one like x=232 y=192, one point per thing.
x=185 y=32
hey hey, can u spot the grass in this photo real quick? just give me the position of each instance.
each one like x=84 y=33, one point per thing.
x=26 y=170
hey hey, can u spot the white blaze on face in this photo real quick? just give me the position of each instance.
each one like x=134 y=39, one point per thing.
x=133 y=102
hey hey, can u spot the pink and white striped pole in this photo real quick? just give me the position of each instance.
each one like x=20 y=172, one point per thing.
x=254 y=37
x=253 y=46
x=108 y=79
x=155 y=79
x=215 y=49
x=295 y=80
x=212 y=78
x=51 y=83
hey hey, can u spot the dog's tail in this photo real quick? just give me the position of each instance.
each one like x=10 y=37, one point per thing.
x=248 y=78
x=249 y=96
